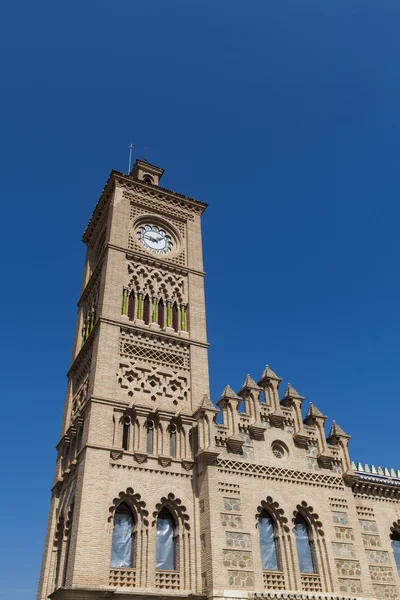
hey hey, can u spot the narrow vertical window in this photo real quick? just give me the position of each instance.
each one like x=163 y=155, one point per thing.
x=149 y=437
x=396 y=549
x=160 y=314
x=131 y=306
x=165 y=541
x=125 y=433
x=269 y=554
x=175 y=316
x=122 y=538
x=303 y=545
x=146 y=310
x=172 y=440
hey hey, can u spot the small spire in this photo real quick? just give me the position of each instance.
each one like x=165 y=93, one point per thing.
x=229 y=393
x=268 y=372
x=337 y=431
x=249 y=384
x=206 y=402
x=313 y=412
x=291 y=393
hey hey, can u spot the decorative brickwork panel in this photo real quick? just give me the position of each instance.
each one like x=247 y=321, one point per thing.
x=311 y=582
x=167 y=580
x=338 y=504
x=371 y=541
x=80 y=379
x=159 y=282
x=365 y=511
x=275 y=473
x=230 y=488
x=122 y=578
x=237 y=540
x=368 y=526
x=233 y=521
x=344 y=533
x=241 y=579
x=377 y=557
x=385 y=592
x=343 y=550
x=350 y=586
x=348 y=568
x=340 y=518
x=239 y=559
x=274 y=580
x=232 y=504
x=154 y=368
x=381 y=574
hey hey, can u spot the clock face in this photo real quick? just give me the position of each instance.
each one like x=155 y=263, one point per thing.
x=155 y=239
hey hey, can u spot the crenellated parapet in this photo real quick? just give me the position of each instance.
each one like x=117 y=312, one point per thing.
x=265 y=413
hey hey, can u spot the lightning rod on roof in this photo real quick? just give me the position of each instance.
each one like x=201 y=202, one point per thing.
x=130 y=158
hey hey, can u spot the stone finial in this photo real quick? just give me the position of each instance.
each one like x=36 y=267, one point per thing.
x=229 y=393
x=291 y=393
x=207 y=404
x=314 y=413
x=249 y=384
x=269 y=374
x=337 y=431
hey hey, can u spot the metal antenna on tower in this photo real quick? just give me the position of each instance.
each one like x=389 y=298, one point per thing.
x=130 y=158
x=142 y=157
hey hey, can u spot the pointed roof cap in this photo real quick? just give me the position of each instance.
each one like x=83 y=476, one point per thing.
x=228 y=393
x=291 y=393
x=249 y=383
x=269 y=374
x=313 y=412
x=337 y=431
x=206 y=403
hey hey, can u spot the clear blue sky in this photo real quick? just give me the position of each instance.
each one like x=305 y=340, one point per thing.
x=282 y=115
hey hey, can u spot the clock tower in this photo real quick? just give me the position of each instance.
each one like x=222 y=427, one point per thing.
x=123 y=510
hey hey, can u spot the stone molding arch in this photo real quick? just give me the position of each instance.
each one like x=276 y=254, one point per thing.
x=177 y=509
x=277 y=514
x=311 y=517
x=135 y=503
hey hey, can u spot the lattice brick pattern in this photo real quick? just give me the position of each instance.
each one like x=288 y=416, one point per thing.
x=175 y=355
x=157 y=200
x=311 y=582
x=365 y=511
x=167 y=283
x=167 y=580
x=122 y=577
x=338 y=503
x=261 y=471
x=274 y=580
x=232 y=488
x=136 y=211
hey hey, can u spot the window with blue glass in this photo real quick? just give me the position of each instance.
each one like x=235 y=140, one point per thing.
x=122 y=547
x=304 y=546
x=165 y=541
x=396 y=549
x=268 y=545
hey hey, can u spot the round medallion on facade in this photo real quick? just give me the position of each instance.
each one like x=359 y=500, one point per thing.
x=279 y=450
x=155 y=239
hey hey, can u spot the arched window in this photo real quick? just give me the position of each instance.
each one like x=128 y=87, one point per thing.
x=165 y=542
x=172 y=440
x=131 y=306
x=175 y=316
x=149 y=437
x=122 y=549
x=303 y=545
x=269 y=554
x=146 y=310
x=396 y=549
x=125 y=433
x=160 y=313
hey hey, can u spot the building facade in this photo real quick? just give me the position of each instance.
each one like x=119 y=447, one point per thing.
x=157 y=492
